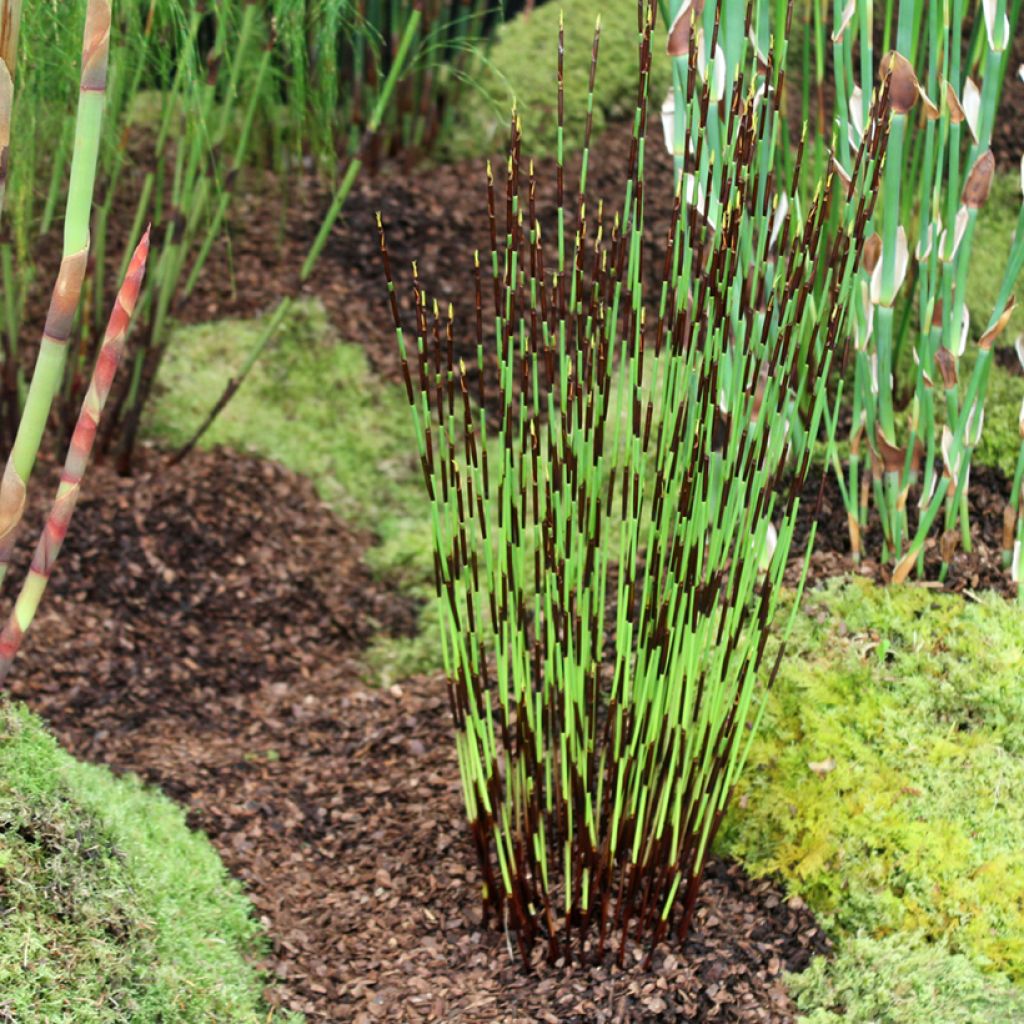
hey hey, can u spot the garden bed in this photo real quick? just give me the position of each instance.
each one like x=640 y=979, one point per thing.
x=205 y=632
x=213 y=627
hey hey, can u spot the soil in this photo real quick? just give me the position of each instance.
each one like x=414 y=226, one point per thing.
x=204 y=629
x=979 y=569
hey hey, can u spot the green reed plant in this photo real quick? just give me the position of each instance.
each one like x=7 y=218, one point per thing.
x=52 y=354
x=916 y=416
x=405 y=68
x=612 y=515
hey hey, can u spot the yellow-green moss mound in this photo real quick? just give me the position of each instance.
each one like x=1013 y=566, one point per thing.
x=885 y=783
x=111 y=910
x=522 y=66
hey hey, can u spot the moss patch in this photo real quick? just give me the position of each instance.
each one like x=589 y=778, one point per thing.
x=522 y=66
x=993 y=237
x=902 y=980
x=112 y=909
x=313 y=403
x=909 y=704
x=1000 y=439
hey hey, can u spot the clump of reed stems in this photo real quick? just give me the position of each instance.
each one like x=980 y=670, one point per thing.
x=609 y=556
x=916 y=424
x=46 y=378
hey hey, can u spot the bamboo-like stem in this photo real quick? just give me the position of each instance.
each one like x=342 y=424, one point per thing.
x=52 y=536
x=11 y=378
x=10 y=23
x=49 y=367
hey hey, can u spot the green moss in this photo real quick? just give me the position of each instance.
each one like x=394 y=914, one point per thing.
x=522 y=66
x=993 y=236
x=902 y=980
x=916 y=698
x=112 y=909
x=314 y=404
x=1000 y=440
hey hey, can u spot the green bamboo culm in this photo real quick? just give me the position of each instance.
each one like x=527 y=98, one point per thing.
x=10 y=24
x=613 y=483
x=49 y=367
x=46 y=377
x=11 y=376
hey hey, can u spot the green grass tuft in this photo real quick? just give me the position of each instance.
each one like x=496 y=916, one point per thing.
x=916 y=698
x=112 y=909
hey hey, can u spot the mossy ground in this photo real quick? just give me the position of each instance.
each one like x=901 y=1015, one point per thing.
x=902 y=979
x=111 y=909
x=881 y=787
x=521 y=67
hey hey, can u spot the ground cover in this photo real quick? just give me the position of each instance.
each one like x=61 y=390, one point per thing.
x=112 y=909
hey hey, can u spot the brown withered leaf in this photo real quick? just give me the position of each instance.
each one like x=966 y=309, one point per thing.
x=871 y=252
x=892 y=456
x=979 y=181
x=931 y=110
x=985 y=341
x=904 y=88
x=682 y=28
x=946 y=364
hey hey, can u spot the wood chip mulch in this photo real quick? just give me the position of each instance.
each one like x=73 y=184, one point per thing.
x=204 y=629
x=979 y=569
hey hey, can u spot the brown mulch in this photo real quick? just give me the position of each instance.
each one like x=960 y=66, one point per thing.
x=1006 y=356
x=204 y=629
x=980 y=569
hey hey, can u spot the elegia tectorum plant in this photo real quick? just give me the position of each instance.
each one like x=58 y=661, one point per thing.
x=609 y=555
